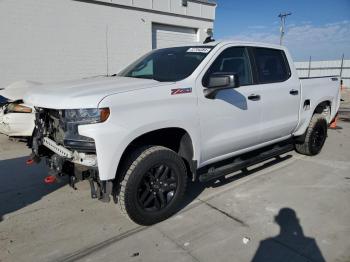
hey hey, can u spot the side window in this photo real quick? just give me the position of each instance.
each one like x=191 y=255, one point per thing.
x=143 y=69
x=233 y=60
x=271 y=64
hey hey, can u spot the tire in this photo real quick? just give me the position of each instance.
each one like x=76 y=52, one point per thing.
x=153 y=186
x=312 y=141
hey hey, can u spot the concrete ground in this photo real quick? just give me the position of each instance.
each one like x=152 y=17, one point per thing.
x=296 y=208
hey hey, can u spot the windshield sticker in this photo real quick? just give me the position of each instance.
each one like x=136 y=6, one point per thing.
x=198 y=50
x=179 y=91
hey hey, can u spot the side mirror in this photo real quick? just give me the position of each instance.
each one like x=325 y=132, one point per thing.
x=220 y=82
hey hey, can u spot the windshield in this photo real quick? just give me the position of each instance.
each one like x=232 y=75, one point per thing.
x=169 y=64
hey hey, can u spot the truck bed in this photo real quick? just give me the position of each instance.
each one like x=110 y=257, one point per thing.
x=313 y=91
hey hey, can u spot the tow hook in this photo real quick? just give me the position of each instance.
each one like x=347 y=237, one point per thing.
x=29 y=162
x=32 y=159
x=50 y=179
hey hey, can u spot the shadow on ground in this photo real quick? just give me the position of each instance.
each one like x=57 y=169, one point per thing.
x=196 y=188
x=22 y=185
x=290 y=244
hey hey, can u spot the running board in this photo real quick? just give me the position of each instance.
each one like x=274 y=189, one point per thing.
x=239 y=163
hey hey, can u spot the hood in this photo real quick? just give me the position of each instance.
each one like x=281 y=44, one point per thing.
x=17 y=90
x=85 y=93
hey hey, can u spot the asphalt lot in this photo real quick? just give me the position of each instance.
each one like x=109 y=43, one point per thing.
x=296 y=208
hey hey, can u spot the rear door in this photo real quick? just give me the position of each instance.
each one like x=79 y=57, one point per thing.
x=280 y=93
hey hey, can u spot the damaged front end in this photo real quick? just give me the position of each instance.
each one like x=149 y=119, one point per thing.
x=67 y=153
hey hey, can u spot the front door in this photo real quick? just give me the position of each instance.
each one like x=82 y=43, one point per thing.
x=231 y=120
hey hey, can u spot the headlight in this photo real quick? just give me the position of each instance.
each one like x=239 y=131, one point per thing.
x=86 y=116
x=16 y=108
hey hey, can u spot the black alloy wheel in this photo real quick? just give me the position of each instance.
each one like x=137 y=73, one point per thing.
x=318 y=137
x=153 y=185
x=311 y=143
x=157 y=188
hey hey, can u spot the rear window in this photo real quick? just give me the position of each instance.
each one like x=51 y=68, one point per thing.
x=272 y=65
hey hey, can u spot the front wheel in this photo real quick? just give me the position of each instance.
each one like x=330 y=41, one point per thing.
x=314 y=138
x=153 y=186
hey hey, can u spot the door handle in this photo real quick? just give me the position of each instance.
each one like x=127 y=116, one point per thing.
x=254 y=97
x=294 y=92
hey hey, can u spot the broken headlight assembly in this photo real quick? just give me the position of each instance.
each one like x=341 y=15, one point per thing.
x=75 y=117
x=86 y=116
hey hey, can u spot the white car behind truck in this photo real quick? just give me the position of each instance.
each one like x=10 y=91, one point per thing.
x=190 y=112
x=16 y=117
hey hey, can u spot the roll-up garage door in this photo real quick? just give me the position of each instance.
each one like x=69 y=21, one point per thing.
x=169 y=35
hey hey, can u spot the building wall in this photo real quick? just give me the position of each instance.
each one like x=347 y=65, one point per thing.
x=194 y=8
x=51 y=40
x=325 y=68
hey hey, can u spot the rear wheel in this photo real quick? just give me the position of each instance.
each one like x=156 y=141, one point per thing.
x=153 y=186
x=313 y=140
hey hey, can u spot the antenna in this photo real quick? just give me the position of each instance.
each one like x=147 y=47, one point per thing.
x=107 y=51
x=210 y=34
x=283 y=17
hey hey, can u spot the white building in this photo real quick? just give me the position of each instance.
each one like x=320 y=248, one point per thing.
x=54 y=40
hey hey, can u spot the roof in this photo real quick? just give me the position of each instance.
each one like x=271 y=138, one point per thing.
x=245 y=43
x=236 y=43
x=209 y=2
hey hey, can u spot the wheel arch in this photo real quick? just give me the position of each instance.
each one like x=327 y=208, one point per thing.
x=323 y=106
x=174 y=138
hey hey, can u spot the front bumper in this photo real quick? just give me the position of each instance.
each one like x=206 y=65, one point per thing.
x=78 y=166
x=88 y=160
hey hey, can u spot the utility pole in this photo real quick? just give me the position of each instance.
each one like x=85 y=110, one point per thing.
x=341 y=66
x=308 y=74
x=283 y=16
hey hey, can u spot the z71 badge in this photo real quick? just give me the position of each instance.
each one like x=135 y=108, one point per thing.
x=179 y=91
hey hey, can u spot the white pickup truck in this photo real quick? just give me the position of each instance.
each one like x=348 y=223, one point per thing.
x=189 y=112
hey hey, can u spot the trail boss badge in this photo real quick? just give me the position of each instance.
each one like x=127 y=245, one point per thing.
x=179 y=91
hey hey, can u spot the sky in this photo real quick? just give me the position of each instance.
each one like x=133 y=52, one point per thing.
x=316 y=28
